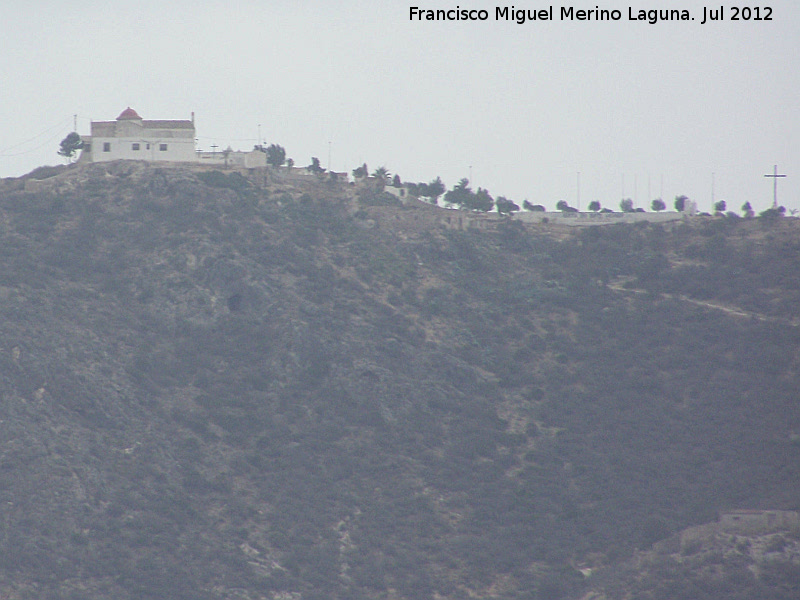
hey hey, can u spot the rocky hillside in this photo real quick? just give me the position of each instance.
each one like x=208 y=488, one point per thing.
x=708 y=562
x=217 y=386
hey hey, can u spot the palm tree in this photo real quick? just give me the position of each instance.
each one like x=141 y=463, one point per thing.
x=381 y=173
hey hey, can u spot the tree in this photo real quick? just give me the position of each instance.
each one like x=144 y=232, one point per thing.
x=431 y=190
x=460 y=193
x=594 y=206
x=562 y=205
x=482 y=201
x=435 y=189
x=772 y=214
x=506 y=206
x=720 y=207
x=361 y=172
x=276 y=155
x=658 y=205
x=396 y=181
x=532 y=207
x=462 y=196
x=70 y=144
x=290 y=162
x=626 y=205
x=747 y=210
x=680 y=203
x=315 y=167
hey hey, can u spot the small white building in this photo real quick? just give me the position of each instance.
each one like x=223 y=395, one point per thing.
x=130 y=137
x=233 y=158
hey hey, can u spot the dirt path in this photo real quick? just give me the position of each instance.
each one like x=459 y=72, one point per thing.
x=735 y=311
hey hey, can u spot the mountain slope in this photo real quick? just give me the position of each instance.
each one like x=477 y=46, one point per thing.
x=221 y=388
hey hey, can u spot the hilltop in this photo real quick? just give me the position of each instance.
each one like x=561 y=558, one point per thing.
x=223 y=386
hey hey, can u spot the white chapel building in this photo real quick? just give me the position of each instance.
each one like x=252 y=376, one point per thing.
x=132 y=138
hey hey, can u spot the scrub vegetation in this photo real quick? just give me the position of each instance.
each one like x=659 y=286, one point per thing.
x=222 y=387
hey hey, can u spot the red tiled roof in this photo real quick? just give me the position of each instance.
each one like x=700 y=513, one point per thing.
x=128 y=114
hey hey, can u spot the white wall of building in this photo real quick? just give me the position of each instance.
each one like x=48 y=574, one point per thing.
x=155 y=148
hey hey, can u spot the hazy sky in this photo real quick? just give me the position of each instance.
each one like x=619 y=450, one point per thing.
x=640 y=109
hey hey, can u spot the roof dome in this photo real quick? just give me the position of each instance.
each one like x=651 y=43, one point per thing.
x=128 y=114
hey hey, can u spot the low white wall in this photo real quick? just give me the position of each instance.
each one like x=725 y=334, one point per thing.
x=592 y=218
x=247 y=160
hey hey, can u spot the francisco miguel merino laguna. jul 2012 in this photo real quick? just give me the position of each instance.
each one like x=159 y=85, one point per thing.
x=570 y=13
